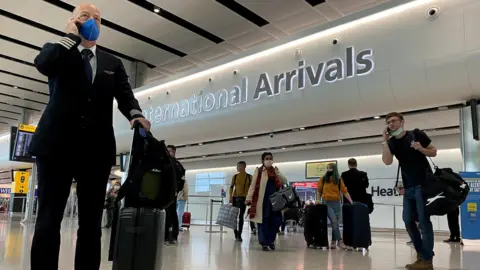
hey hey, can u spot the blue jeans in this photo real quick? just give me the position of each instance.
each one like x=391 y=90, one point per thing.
x=180 y=211
x=334 y=212
x=414 y=207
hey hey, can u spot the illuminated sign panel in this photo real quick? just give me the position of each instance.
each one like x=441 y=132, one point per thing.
x=267 y=86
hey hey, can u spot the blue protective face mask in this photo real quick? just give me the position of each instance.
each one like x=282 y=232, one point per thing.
x=89 y=30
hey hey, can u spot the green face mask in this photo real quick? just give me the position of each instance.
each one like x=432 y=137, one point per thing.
x=396 y=132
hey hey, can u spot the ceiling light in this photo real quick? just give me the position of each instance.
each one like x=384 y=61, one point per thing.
x=443 y=108
x=284 y=148
x=15 y=87
x=200 y=144
x=337 y=30
x=376 y=117
x=240 y=152
x=302 y=128
x=156 y=10
x=340 y=140
x=245 y=137
x=204 y=156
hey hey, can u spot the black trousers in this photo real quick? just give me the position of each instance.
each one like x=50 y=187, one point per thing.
x=454 y=223
x=55 y=177
x=171 y=221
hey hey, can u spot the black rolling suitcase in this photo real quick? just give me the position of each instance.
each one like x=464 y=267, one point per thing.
x=139 y=239
x=356 y=226
x=138 y=236
x=316 y=230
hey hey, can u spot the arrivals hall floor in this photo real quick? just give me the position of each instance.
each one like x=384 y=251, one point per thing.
x=198 y=250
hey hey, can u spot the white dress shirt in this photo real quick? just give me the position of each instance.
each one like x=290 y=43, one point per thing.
x=93 y=60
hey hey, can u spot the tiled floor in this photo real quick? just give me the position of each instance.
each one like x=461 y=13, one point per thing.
x=198 y=251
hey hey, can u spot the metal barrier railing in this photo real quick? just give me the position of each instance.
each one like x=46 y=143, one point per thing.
x=212 y=201
x=394 y=216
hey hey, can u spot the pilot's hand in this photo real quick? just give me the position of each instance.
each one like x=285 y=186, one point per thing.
x=71 y=26
x=144 y=122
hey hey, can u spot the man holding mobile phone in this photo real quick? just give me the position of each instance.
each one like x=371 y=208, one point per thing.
x=411 y=148
x=83 y=82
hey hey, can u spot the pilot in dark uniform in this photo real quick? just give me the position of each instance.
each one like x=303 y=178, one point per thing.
x=75 y=138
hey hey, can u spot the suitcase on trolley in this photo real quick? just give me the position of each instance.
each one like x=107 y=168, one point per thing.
x=356 y=226
x=139 y=239
x=186 y=220
x=315 y=229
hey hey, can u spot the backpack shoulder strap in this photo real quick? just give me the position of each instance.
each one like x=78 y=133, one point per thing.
x=398 y=175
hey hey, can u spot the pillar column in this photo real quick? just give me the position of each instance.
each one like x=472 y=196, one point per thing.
x=469 y=146
x=138 y=74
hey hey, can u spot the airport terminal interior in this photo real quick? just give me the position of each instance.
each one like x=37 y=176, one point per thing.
x=297 y=88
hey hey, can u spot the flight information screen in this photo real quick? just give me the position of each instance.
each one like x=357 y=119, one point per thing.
x=22 y=140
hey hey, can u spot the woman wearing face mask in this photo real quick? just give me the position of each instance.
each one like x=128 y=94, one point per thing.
x=110 y=203
x=330 y=188
x=265 y=181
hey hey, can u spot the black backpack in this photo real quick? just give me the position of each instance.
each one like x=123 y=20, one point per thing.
x=444 y=191
x=151 y=180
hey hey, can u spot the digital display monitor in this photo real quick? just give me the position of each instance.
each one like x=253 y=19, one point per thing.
x=21 y=137
x=317 y=169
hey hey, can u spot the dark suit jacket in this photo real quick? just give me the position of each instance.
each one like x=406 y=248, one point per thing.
x=357 y=183
x=78 y=116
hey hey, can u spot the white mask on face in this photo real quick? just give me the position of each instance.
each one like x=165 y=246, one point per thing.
x=116 y=187
x=268 y=163
x=396 y=132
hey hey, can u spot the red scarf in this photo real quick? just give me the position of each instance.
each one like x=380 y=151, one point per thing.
x=271 y=173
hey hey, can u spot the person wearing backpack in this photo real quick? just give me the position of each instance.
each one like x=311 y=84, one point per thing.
x=238 y=192
x=411 y=148
x=171 y=219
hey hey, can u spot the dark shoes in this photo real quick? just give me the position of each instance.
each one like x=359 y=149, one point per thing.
x=453 y=240
x=420 y=265
x=268 y=248
x=238 y=236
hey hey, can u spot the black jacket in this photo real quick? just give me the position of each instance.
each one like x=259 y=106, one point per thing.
x=180 y=174
x=78 y=116
x=357 y=183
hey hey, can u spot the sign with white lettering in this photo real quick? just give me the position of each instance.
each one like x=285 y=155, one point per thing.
x=267 y=86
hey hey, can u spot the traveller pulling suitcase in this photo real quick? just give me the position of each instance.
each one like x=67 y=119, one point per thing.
x=138 y=236
x=356 y=226
x=316 y=230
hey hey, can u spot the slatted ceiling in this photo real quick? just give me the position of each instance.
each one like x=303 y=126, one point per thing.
x=221 y=21
x=57 y=19
x=151 y=25
x=274 y=31
x=18 y=68
x=25 y=33
x=211 y=53
x=18 y=92
x=10 y=109
x=178 y=65
x=25 y=83
x=348 y=6
x=34 y=106
x=9 y=115
x=250 y=38
x=328 y=12
x=275 y=10
x=133 y=47
x=302 y=20
x=19 y=52
x=258 y=42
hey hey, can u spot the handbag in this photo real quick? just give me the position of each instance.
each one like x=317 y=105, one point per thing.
x=228 y=216
x=283 y=198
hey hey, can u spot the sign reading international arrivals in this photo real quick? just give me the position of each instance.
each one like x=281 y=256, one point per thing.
x=267 y=86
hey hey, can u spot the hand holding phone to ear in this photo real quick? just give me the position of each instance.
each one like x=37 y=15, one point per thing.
x=72 y=26
x=386 y=133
